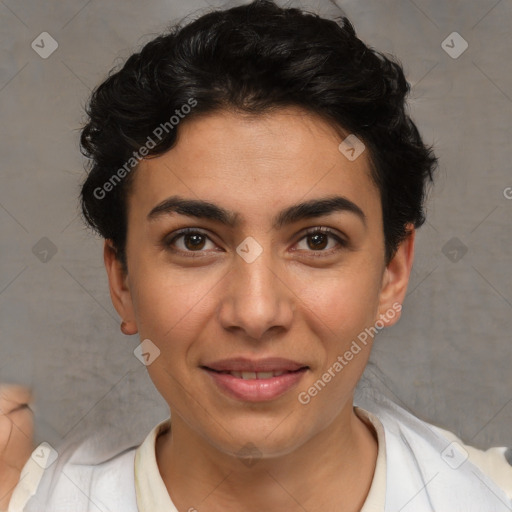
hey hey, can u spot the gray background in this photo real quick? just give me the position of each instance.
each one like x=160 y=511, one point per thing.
x=448 y=360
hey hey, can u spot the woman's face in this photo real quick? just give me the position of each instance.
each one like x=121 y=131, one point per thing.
x=249 y=282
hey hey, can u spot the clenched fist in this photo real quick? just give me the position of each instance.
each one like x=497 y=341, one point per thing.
x=16 y=437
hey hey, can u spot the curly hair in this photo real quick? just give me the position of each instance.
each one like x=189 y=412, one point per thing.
x=255 y=58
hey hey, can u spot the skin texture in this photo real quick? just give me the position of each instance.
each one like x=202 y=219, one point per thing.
x=290 y=302
x=16 y=434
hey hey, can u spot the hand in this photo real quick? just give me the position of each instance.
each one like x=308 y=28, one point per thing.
x=16 y=437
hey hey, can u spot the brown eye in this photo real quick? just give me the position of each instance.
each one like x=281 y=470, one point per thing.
x=322 y=240
x=194 y=241
x=317 y=241
x=188 y=240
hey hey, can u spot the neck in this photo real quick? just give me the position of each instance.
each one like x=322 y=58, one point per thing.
x=332 y=470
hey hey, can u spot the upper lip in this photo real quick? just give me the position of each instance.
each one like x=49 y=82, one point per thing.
x=242 y=364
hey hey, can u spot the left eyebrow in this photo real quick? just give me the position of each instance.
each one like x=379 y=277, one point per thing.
x=206 y=210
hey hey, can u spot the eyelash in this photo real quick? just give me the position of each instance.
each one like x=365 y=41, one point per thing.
x=312 y=231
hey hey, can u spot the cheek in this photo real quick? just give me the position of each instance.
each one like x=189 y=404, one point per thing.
x=166 y=303
x=339 y=308
x=171 y=310
x=345 y=301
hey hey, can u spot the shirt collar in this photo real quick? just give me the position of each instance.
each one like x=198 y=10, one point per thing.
x=152 y=493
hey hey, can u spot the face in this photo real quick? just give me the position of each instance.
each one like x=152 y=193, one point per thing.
x=255 y=277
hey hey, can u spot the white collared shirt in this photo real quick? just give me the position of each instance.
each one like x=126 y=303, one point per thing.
x=131 y=481
x=152 y=493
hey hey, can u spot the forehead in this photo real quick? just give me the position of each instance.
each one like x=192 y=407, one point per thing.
x=254 y=163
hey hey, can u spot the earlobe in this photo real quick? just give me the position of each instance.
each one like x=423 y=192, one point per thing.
x=395 y=280
x=119 y=288
x=128 y=328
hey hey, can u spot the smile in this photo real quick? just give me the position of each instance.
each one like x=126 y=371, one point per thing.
x=255 y=386
x=255 y=375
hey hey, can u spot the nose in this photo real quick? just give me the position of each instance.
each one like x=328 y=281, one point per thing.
x=257 y=298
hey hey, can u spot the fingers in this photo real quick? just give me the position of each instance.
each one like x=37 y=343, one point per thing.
x=16 y=437
x=13 y=396
x=16 y=425
x=10 y=477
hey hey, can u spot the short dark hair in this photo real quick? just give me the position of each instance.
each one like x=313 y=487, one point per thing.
x=253 y=59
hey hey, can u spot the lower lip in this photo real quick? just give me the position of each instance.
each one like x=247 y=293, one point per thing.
x=256 y=390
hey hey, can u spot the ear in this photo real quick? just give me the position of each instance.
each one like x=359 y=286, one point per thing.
x=119 y=288
x=395 y=280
